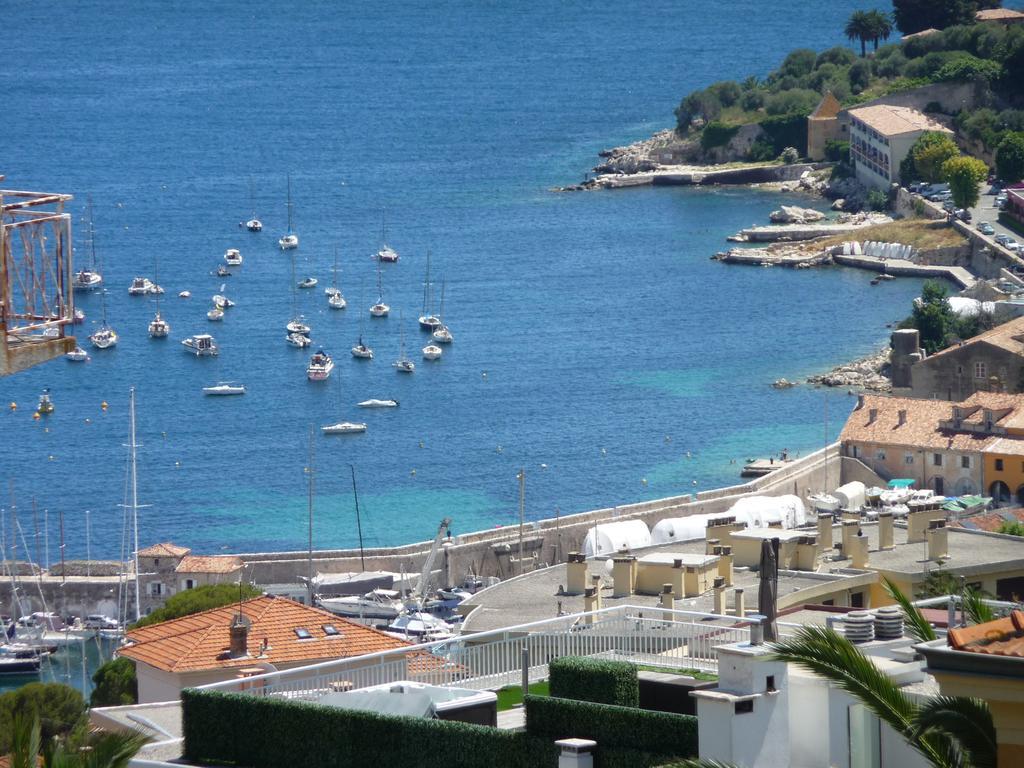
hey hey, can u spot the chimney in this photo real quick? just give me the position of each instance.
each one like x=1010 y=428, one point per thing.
x=738 y=600
x=575 y=574
x=859 y=551
x=902 y=417
x=591 y=603
x=872 y=415
x=807 y=553
x=849 y=534
x=885 y=541
x=825 y=531
x=860 y=401
x=667 y=601
x=239 y=631
x=725 y=565
x=937 y=540
x=622 y=575
x=719 y=597
x=678 y=578
x=710 y=544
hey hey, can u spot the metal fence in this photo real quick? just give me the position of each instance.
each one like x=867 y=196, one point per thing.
x=651 y=636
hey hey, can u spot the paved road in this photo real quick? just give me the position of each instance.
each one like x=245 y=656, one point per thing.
x=986 y=210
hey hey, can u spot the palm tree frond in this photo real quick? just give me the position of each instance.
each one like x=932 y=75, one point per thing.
x=970 y=720
x=917 y=624
x=25 y=740
x=975 y=609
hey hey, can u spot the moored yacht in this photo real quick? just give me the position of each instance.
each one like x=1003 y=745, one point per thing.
x=298 y=340
x=158 y=327
x=336 y=300
x=403 y=364
x=320 y=366
x=233 y=257
x=309 y=282
x=375 y=604
x=201 y=345
x=77 y=355
x=104 y=337
x=215 y=314
x=344 y=428
x=143 y=286
x=225 y=388
x=377 y=403
x=360 y=350
x=297 y=325
x=289 y=239
x=87 y=280
x=431 y=352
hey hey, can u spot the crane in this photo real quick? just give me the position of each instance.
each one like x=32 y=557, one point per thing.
x=416 y=598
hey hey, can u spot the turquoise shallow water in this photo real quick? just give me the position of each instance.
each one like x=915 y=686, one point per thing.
x=598 y=319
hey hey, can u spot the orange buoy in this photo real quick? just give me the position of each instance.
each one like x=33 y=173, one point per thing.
x=36 y=415
x=103 y=405
x=13 y=406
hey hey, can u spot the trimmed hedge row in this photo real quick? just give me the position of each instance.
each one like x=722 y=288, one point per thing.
x=594 y=680
x=618 y=731
x=268 y=733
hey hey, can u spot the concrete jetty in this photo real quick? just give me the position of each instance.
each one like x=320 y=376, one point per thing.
x=900 y=267
x=776 y=232
x=695 y=175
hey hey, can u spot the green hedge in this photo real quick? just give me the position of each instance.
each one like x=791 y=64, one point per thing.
x=268 y=732
x=786 y=131
x=717 y=134
x=596 y=680
x=618 y=731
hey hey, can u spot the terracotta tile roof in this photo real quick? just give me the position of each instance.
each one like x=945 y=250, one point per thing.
x=890 y=120
x=1002 y=637
x=164 y=550
x=919 y=430
x=200 y=641
x=828 y=107
x=999 y=14
x=1006 y=446
x=1008 y=336
x=989 y=521
x=211 y=564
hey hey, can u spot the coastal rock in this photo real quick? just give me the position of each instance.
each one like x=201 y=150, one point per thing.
x=868 y=373
x=838 y=203
x=791 y=214
x=783 y=384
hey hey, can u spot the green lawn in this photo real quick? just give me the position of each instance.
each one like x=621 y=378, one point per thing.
x=694 y=673
x=513 y=694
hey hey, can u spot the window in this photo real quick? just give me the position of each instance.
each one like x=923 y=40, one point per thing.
x=936 y=459
x=155 y=589
x=190 y=583
x=959 y=370
x=999 y=465
x=330 y=630
x=980 y=370
x=156 y=561
x=965 y=462
x=744 y=707
x=908 y=458
x=303 y=634
x=857 y=600
x=880 y=455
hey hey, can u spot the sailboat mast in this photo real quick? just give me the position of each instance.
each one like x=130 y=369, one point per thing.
x=135 y=496
x=359 y=522
x=289 y=203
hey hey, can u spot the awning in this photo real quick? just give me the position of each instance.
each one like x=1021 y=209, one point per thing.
x=901 y=482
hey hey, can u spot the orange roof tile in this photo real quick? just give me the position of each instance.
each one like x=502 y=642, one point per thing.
x=1002 y=637
x=200 y=641
x=919 y=430
x=827 y=108
x=211 y=564
x=165 y=549
x=891 y=120
x=989 y=521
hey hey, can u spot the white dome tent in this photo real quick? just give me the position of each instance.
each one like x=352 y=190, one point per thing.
x=615 y=537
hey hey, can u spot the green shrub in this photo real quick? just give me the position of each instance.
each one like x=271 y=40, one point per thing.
x=618 y=731
x=877 y=200
x=796 y=100
x=760 y=152
x=837 y=151
x=60 y=709
x=786 y=131
x=116 y=684
x=933 y=107
x=789 y=155
x=595 y=680
x=267 y=733
x=190 y=601
x=717 y=135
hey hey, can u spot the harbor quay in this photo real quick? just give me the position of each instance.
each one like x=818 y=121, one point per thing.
x=500 y=553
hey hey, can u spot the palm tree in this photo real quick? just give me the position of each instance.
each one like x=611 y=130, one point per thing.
x=881 y=26
x=950 y=732
x=860 y=27
x=104 y=750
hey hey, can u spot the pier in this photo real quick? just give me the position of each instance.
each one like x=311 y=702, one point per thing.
x=961 y=276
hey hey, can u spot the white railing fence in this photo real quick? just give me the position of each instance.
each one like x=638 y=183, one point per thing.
x=644 y=635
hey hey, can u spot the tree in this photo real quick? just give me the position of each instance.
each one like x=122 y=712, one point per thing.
x=59 y=709
x=930 y=151
x=964 y=174
x=860 y=27
x=115 y=684
x=100 y=750
x=199 y=599
x=880 y=25
x=949 y=732
x=915 y=15
x=1010 y=158
x=933 y=317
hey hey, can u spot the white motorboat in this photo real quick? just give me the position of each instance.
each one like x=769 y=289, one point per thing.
x=403 y=364
x=297 y=326
x=87 y=280
x=309 y=282
x=375 y=403
x=143 y=286
x=343 y=428
x=442 y=335
x=428 y=321
x=77 y=355
x=362 y=351
x=894 y=496
x=375 y=604
x=330 y=290
x=222 y=271
x=104 y=337
x=201 y=345
x=320 y=366
x=233 y=257
x=79 y=317
x=422 y=626
x=336 y=301
x=185 y=295
x=225 y=388
x=221 y=301
x=215 y=314
x=19 y=662
x=289 y=239
x=298 y=340
x=431 y=352
x=386 y=252
x=158 y=327
x=45 y=406
x=51 y=332
x=254 y=225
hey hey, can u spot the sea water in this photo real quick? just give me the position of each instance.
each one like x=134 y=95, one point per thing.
x=596 y=345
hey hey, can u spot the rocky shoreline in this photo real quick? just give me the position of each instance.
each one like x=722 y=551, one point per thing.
x=869 y=373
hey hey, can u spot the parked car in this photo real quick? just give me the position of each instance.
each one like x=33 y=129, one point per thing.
x=1011 y=245
x=1001 y=238
x=1001 y=199
x=963 y=214
x=985 y=228
x=96 y=621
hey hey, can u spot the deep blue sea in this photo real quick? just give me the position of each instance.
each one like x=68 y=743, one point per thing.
x=596 y=345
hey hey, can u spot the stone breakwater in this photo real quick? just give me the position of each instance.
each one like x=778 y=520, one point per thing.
x=869 y=373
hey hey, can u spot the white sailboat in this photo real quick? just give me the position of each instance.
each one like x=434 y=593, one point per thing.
x=378 y=403
x=224 y=388
x=103 y=337
x=432 y=352
x=380 y=309
x=297 y=325
x=289 y=239
x=442 y=334
x=343 y=427
x=403 y=364
x=428 y=321
x=386 y=252
x=158 y=327
x=253 y=224
x=89 y=278
x=335 y=299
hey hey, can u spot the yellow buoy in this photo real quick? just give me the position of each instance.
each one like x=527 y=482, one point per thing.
x=13 y=406
x=103 y=405
x=36 y=415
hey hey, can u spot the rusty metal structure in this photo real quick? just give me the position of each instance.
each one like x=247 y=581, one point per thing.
x=36 y=291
